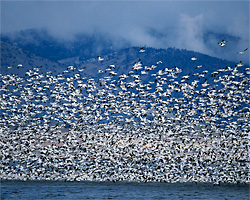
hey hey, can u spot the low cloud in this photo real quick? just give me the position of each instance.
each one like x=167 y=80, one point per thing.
x=190 y=33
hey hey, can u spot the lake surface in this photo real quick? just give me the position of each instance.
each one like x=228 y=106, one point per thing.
x=120 y=190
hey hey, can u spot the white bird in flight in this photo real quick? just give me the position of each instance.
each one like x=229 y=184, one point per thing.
x=142 y=50
x=222 y=43
x=193 y=58
x=240 y=64
x=241 y=52
x=100 y=58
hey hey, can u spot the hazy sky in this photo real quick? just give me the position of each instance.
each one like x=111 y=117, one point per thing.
x=180 y=24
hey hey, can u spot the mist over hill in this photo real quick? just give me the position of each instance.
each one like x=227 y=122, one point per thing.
x=84 y=46
x=42 y=43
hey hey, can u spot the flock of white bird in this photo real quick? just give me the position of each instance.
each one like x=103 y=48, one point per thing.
x=121 y=127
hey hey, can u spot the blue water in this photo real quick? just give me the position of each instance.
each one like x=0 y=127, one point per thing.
x=120 y=190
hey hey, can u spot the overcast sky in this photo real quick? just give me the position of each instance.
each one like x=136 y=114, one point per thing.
x=180 y=24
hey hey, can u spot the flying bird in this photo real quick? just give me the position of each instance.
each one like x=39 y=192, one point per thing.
x=241 y=52
x=20 y=65
x=222 y=43
x=112 y=66
x=193 y=58
x=240 y=64
x=142 y=50
x=100 y=58
x=199 y=66
x=81 y=70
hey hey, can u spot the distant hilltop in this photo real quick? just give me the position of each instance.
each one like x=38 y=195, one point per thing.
x=13 y=56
